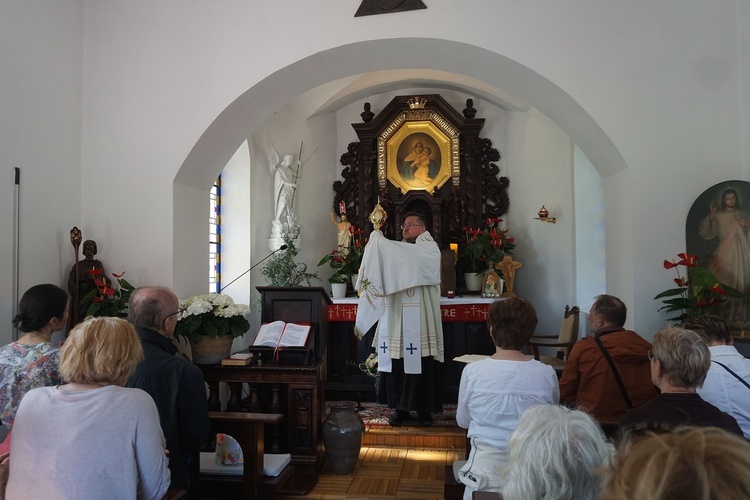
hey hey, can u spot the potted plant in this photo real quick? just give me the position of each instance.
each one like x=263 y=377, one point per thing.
x=210 y=323
x=104 y=300
x=282 y=270
x=483 y=247
x=356 y=252
x=345 y=262
x=697 y=293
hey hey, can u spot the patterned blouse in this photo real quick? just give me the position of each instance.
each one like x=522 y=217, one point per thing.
x=22 y=368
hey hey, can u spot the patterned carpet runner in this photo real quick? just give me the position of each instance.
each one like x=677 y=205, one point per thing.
x=378 y=414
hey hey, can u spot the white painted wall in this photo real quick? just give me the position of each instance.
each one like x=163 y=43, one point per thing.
x=539 y=163
x=41 y=53
x=286 y=130
x=653 y=93
x=589 y=232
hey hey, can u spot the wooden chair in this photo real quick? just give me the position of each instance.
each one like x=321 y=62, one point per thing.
x=248 y=430
x=567 y=337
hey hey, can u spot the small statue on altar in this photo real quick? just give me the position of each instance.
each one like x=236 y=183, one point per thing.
x=344 y=232
x=81 y=278
x=508 y=266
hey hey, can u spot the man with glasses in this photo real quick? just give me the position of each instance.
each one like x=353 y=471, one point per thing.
x=608 y=373
x=400 y=290
x=175 y=384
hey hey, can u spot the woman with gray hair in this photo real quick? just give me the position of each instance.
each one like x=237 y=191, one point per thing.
x=679 y=363
x=556 y=453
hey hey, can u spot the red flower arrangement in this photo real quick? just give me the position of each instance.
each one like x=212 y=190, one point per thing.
x=485 y=245
x=106 y=300
x=697 y=293
x=346 y=261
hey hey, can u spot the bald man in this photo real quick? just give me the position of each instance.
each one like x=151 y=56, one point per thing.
x=176 y=385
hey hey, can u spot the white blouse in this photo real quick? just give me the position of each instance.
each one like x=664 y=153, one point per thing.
x=494 y=394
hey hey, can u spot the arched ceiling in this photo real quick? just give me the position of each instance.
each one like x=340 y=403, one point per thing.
x=360 y=87
x=470 y=69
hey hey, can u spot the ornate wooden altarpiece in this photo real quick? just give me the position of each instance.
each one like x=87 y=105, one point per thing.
x=449 y=176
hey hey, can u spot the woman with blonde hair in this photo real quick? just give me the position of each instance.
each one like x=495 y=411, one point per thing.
x=692 y=462
x=92 y=437
x=679 y=363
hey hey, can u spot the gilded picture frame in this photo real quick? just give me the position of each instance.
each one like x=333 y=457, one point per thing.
x=418 y=156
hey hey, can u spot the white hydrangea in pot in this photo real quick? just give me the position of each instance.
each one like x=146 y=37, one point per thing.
x=210 y=323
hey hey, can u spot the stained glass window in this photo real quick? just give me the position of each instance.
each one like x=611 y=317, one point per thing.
x=214 y=238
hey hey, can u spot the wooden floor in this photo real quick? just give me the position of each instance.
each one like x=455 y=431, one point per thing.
x=387 y=471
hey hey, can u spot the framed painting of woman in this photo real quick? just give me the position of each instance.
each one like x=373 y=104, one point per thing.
x=418 y=157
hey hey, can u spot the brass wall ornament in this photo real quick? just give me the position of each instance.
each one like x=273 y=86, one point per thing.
x=417 y=102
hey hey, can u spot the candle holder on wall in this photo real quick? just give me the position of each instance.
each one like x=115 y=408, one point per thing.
x=544 y=216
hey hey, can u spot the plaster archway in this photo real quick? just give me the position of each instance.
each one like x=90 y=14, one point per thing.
x=232 y=126
x=222 y=138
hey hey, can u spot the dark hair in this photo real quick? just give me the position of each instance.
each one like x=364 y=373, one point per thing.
x=710 y=328
x=417 y=215
x=38 y=305
x=736 y=198
x=512 y=322
x=611 y=309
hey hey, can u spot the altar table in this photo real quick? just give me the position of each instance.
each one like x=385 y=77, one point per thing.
x=464 y=332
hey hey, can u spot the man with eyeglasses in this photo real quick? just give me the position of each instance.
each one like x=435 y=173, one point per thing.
x=400 y=291
x=175 y=384
x=608 y=373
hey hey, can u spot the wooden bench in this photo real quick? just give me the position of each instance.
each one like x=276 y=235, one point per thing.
x=452 y=489
x=248 y=429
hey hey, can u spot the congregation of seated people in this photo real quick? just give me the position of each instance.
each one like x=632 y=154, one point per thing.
x=636 y=420
x=113 y=413
x=627 y=419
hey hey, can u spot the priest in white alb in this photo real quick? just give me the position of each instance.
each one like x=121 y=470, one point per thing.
x=399 y=284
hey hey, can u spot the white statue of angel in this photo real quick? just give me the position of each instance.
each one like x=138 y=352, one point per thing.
x=285 y=177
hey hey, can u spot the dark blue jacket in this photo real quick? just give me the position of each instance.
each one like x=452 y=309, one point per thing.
x=179 y=392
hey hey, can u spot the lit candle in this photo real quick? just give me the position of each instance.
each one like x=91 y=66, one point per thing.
x=454 y=247
x=342 y=208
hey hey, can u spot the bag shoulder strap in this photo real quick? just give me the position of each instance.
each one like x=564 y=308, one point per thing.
x=730 y=371
x=611 y=363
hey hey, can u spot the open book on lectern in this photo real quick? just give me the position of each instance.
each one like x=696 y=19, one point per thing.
x=280 y=334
